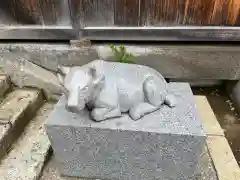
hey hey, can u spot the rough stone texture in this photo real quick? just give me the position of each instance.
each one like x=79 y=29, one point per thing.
x=185 y=62
x=48 y=55
x=18 y=108
x=205 y=170
x=23 y=73
x=4 y=84
x=120 y=148
x=27 y=156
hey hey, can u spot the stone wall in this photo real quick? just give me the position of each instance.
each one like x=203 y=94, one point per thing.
x=36 y=64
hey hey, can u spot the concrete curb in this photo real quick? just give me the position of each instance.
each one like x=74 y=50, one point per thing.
x=223 y=159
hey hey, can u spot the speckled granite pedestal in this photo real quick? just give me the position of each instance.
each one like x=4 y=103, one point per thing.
x=164 y=145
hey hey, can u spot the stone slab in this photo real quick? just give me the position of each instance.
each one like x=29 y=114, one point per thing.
x=223 y=158
x=203 y=62
x=163 y=145
x=199 y=62
x=48 y=55
x=16 y=111
x=24 y=73
x=210 y=123
x=28 y=155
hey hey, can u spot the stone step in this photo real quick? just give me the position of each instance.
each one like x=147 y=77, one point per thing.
x=28 y=155
x=4 y=84
x=16 y=110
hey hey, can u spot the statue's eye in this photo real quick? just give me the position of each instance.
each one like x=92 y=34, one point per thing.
x=85 y=88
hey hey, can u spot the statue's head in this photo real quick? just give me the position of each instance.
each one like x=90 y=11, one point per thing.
x=82 y=86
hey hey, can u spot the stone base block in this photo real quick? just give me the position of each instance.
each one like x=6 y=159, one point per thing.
x=164 y=145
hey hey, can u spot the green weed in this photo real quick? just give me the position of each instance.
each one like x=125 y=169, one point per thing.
x=121 y=54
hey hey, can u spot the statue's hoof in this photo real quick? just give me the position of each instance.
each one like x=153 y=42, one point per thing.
x=72 y=109
x=97 y=116
x=134 y=115
x=171 y=100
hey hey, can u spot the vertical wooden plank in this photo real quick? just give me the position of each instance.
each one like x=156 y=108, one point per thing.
x=163 y=12
x=39 y=12
x=87 y=13
x=127 y=13
x=233 y=11
x=55 y=12
x=50 y=11
x=26 y=11
x=237 y=23
x=198 y=12
x=75 y=6
x=6 y=16
x=220 y=12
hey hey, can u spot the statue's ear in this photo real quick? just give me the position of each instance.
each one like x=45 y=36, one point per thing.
x=92 y=72
x=98 y=78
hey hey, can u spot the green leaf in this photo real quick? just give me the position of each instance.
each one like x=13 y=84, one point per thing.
x=121 y=54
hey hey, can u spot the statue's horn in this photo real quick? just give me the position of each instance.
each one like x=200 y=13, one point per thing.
x=63 y=70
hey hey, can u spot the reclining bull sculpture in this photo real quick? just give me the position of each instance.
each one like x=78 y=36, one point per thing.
x=109 y=89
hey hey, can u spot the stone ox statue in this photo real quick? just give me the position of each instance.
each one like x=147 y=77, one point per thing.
x=109 y=89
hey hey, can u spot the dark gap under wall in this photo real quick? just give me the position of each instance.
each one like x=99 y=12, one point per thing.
x=195 y=43
x=176 y=43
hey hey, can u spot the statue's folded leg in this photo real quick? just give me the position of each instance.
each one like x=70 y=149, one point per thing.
x=101 y=114
x=154 y=91
x=139 y=110
x=171 y=100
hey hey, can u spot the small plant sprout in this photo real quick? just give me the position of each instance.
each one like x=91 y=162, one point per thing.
x=121 y=54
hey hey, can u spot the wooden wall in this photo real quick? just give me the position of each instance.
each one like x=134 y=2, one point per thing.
x=121 y=12
x=35 y=12
x=62 y=19
x=156 y=12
